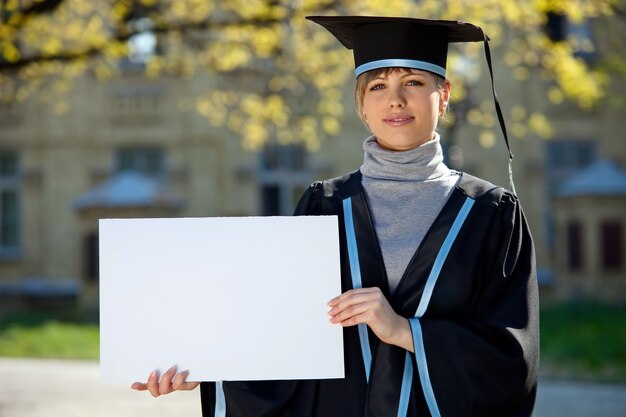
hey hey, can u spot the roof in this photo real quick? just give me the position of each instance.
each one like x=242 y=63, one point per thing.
x=41 y=287
x=602 y=177
x=128 y=189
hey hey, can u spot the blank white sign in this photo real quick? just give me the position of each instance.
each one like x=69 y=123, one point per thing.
x=226 y=298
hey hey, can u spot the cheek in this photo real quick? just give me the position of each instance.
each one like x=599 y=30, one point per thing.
x=436 y=102
x=368 y=106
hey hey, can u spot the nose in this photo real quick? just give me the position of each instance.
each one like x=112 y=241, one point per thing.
x=396 y=98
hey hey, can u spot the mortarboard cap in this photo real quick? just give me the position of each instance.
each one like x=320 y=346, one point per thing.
x=381 y=42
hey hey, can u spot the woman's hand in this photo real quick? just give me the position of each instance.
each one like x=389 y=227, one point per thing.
x=369 y=306
x=170 y=382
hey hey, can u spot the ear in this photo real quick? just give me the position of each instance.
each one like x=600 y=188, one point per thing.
x=444 y=97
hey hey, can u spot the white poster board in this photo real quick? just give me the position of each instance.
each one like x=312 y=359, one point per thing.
x=240 y=298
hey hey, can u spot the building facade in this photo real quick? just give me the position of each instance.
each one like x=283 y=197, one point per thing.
x=126 y=148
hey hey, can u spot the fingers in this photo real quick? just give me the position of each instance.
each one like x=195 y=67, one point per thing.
x=165 y=385
x=368 y=306
x=353 y=314
x=153 y=384
x=169 y=382
x=355 y=302
x=179 y=382
x=138 y=386
x=351 y=294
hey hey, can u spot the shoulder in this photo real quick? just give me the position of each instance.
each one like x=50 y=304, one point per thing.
x=321 y=196
x=338 y=187
x=502 y=209
x=484 y=192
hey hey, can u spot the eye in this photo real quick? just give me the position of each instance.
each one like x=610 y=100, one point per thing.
x=414 y=82
x=376 y=86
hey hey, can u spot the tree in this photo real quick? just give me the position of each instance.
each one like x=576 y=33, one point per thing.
x=289 y=72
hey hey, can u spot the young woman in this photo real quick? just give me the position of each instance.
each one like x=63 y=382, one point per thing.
x=440 y=298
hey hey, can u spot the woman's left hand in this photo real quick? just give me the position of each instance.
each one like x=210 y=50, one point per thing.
x=369 y=306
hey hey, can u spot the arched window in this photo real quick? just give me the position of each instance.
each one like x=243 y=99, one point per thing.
x=612 y=244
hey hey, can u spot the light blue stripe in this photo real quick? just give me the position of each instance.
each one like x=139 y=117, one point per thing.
x=353 y=252
x=422 y=367
x=418 y=342
x=220 y=400
x=405 y=392
x=365 y=349
x=355 y=271
x=403 y=63
x=442 y=255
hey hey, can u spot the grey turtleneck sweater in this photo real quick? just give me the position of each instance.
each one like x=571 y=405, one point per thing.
x=405 y=192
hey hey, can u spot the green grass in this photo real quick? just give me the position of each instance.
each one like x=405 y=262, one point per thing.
x=584 y=341
x=577 y=340
x=38 y=335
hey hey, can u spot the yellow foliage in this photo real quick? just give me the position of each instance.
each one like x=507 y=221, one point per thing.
x=540 y=125
x=300 y=68
x=474 y=117
x=266 y=40
x=519 y=130
x=11 y=53
x=518 y=113
x=487 y=139
x=331 y=126
x=555 y=95
x=52 y=46
x=574 y=78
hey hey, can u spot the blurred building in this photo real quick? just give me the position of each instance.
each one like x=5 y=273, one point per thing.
x=127 y=149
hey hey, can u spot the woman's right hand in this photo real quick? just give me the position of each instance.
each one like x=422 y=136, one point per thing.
x=170 y=382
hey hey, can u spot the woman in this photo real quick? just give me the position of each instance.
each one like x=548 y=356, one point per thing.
x=440 y=299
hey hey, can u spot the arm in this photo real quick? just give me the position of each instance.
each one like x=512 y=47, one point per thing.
x=483 y=361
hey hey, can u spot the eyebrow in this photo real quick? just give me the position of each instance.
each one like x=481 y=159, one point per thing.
x=404 y=74
x=414 y=72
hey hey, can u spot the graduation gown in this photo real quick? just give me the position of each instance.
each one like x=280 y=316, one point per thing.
x=470 y=295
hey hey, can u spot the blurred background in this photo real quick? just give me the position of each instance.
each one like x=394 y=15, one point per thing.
x=179 y=108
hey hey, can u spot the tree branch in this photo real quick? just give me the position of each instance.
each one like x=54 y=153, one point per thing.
x=123 y=33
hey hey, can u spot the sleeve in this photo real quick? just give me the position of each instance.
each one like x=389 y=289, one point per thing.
x=310 y=202
x=485 y=362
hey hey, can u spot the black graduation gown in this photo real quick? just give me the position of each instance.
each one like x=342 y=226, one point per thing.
x=470 y=294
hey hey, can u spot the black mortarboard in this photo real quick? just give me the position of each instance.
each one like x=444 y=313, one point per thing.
x=382 y=42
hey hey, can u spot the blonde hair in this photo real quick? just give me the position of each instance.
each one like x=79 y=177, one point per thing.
x=364 y=79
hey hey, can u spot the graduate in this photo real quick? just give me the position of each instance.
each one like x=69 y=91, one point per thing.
x=439 y=304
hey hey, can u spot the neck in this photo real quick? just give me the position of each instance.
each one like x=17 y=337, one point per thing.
x=418 y=164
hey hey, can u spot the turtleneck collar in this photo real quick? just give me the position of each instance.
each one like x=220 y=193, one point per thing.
x=422 y=163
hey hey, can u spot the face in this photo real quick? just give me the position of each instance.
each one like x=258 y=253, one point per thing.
x=401 y=108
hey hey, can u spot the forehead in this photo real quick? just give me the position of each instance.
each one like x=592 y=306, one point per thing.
x=385 y=72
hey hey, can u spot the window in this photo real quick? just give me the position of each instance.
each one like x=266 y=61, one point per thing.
x=284 y=157
x=575 y=256
x=137 y=105
x=556 y=27
x=611 y=245
x=9 y=205
x=145 y=160
x=270 y=200
x=579 y=35
x=91 y=257
x=567 y=156
x=283 y=178
x=564 y=157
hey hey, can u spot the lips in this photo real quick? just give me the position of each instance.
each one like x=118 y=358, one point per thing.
x=398 y=120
